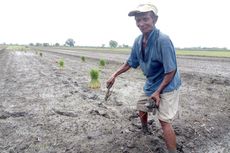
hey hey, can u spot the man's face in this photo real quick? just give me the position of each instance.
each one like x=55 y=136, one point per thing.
x=144 y=22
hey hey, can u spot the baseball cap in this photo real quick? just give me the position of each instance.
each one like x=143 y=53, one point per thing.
x=144 y=8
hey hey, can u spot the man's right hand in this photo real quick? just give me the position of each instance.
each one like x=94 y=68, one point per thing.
x=110 y=82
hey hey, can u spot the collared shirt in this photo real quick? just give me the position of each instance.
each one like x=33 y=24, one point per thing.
x=159 y=58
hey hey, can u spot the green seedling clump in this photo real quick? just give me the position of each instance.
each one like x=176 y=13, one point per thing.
x=40 y=54
x=94 y=83
x=102 y=63
x=83 y=58
x=61 y=63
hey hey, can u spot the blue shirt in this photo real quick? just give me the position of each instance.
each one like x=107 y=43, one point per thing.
x=159 y=58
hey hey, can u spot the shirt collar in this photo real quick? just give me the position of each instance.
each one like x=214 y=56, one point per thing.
x=150 y=37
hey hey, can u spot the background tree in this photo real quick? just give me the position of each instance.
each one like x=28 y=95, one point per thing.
x=103 y=45
x=38 y=44
x=70 y=42
x=45 y=44
x=113 y=43
x=56 y=44
x=125 y=46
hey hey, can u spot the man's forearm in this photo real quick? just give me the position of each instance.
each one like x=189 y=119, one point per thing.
x=125 y=67
x=167 y=78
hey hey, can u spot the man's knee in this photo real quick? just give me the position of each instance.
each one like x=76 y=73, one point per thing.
x=165 y=124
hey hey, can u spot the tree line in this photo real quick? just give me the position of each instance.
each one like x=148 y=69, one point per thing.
x=71 y=43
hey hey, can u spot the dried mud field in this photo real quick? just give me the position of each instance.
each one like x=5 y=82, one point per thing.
x=48 y=109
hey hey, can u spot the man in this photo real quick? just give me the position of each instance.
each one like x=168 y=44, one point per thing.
x=153 y=51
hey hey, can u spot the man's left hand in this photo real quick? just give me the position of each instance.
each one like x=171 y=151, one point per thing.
x=156 y=97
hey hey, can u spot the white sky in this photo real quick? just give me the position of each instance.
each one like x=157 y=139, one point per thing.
x=189 y=23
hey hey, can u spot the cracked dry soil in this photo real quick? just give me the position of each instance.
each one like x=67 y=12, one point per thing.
x=46 y=109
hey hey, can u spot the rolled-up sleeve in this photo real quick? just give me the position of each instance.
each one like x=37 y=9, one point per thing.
x=133 y=60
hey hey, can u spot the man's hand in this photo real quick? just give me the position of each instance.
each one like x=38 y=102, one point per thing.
x=167 y=78
x=156 y=97
x=110 y=82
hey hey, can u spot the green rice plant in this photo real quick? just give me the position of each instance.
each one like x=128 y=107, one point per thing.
x=83 y=58
x=102 y=63
x=40 y=54
x=61 y=63
x=94 y=83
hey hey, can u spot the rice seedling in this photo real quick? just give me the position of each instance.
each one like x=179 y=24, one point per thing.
x=40 y=54
x=94 y=83
x=102 y=63
x=61 y=63
x=83 y=58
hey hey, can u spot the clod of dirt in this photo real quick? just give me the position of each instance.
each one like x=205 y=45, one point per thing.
x=133 y=116
x=93 y=97
x=5 y=114
x=70 y=114
x=101 y=113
